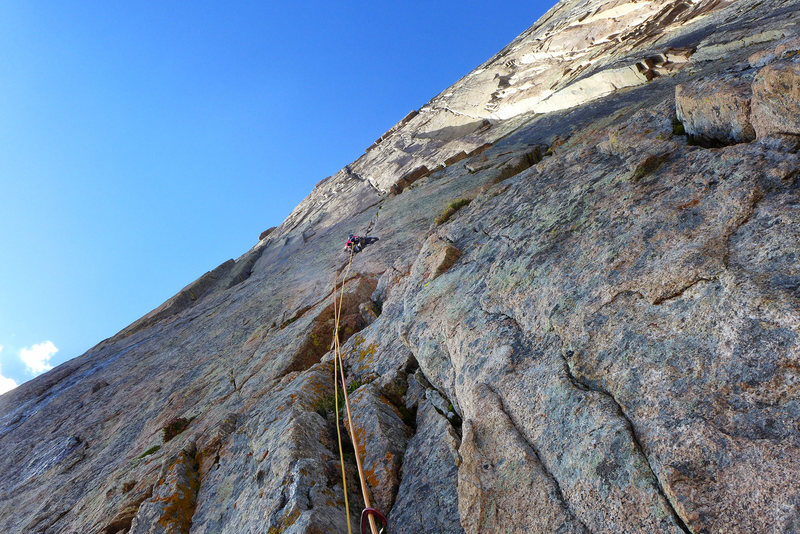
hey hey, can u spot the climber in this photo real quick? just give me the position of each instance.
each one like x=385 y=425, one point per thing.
x=356 y=243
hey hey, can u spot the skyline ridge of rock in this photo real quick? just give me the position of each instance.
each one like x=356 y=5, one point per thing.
x=583 y=314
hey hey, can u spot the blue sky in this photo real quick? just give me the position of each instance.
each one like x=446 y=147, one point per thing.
x=143 y=144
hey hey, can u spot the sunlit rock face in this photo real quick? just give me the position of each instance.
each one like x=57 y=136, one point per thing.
x=582 y=315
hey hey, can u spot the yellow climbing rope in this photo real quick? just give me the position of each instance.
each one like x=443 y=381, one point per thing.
x=337 y=313
x=337 y=359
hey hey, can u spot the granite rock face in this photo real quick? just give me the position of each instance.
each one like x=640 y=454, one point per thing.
x=603 y=335
x=716 y=110
x=776 y=93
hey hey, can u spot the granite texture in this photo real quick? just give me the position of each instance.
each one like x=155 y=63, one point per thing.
x=605 y=338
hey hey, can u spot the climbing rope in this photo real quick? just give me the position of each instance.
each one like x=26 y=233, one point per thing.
x=369 y=512
x=337 y=313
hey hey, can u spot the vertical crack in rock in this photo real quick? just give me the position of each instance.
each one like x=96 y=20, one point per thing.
x=121 y=521
x=535 y=451
x=582 y=385
x=502 y=479
x=443 y=404
x=427 y=498
x=757 y=197
x=668 y=506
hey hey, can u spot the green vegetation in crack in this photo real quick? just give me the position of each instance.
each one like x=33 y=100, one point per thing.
x=148 y=452
x=451 y=209
x=647 y=166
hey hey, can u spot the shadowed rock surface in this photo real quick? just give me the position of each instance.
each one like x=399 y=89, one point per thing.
x=605 y=338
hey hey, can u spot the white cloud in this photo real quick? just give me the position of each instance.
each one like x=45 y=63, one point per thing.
x=37 y=357
x=6 y=384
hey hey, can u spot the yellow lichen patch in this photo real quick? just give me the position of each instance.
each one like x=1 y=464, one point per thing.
x=179 y=505
x=366 y=353
x=359 y=434
x=286 y=521
x=372 y=478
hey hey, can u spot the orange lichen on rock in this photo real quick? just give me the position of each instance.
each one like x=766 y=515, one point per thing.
x=174 y=496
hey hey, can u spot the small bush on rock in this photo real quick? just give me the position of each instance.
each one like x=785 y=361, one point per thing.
x=451 y=209
x=175 y=427
x=327 y=404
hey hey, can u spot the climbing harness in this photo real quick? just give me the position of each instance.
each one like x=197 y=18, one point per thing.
x=368 y=512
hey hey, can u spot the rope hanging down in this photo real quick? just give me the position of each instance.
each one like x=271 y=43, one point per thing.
x=336 y=312
x=369 y=512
